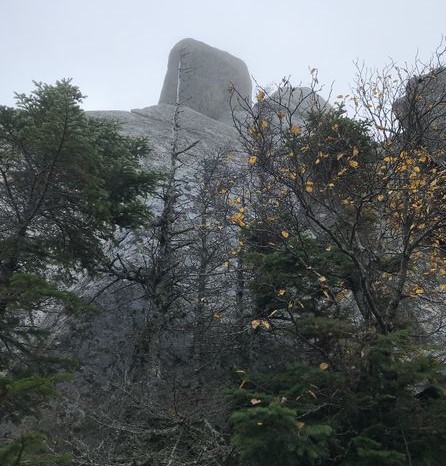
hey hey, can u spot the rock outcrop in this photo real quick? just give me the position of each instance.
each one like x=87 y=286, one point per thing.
x=421 y=113
x=207 y=75
x=201 y=334
x=156 y=124
x=106 y=343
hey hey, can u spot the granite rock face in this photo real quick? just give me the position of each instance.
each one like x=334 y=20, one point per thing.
x=198 y=335
x=299 y=100
x=421 y=112
x=206 y=78
x=156 y=122
x=201 y=127
x=296 y=102
x=203 y=118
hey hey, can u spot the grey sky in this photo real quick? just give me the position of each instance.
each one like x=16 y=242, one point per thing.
x=116 y=51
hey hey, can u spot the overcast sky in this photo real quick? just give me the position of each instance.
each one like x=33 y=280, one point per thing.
x=116 y=51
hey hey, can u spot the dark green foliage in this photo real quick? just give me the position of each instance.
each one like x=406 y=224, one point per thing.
x=271 y=435
x=67 y=180
x=289 y=263
x=357 y=306
x=30 y=449
x=362 y=398
x=367 y=415
x=22 y=393
x=329 y=142
x=67 y=183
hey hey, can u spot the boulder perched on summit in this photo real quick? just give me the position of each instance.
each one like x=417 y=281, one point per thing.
x=296 y=102
x=206 y=76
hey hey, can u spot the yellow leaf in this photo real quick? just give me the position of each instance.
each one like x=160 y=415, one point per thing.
x=387 y=159
x=381 y=197
x=309 y=186
x=251 y=131
x=355 y=151
x=295 y=130
x=255 y=323
x=353 y=163
x=419 y=290
x=265 y=124
x=260 y=323
x=285 y=234
x=323 y=366
x=322 y=281
x=300 y=425
x=341 y=295
x=311 y=392
x=216 y=316
x=281 y=114
x=226 y=265
x=335 y=127
x=265 y=324
x=281 y=292
x=260 y=96
x=252 y=159
x=255 y=401
x=238 y=219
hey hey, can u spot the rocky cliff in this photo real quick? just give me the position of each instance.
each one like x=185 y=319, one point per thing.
x=171 y=325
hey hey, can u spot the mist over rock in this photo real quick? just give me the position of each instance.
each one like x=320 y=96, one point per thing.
x=207 y=76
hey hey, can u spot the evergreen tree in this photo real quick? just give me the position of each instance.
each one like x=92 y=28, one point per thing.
x=341 y=242
x=359 y=398
x=67 y=182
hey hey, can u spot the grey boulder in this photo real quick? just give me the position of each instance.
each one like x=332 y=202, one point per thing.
x=206 y=78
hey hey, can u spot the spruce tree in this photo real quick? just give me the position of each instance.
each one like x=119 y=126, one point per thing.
x=341 y=244
x=67 y=184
